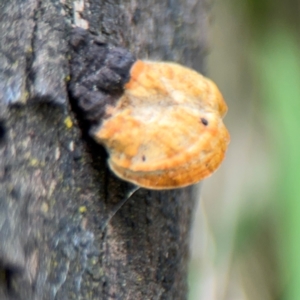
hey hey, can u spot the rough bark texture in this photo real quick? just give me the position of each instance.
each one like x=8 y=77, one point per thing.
x=55 y=189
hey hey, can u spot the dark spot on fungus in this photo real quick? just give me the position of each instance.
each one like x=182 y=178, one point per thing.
x=143 y=158
x=204 y=121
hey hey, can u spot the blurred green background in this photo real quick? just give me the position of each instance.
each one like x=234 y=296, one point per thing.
x=246 y=238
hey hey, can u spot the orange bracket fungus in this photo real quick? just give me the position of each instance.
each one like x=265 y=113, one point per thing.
x=161 y=123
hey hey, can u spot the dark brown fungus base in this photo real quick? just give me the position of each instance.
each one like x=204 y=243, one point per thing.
x=98 y=73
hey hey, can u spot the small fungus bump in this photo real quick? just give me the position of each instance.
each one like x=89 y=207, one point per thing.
x=204 y=121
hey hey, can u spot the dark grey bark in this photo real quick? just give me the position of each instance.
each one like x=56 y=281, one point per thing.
x=55 y=189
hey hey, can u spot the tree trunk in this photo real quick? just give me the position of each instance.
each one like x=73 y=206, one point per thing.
x=55 y=188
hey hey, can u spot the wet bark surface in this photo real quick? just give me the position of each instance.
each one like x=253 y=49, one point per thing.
x=55 y=189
